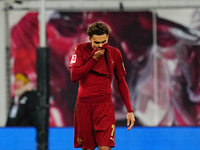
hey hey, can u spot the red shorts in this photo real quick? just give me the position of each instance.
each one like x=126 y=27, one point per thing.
x=94 y=125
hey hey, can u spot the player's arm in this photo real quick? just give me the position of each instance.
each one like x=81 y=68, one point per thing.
x=78 y=73
x=123 y=89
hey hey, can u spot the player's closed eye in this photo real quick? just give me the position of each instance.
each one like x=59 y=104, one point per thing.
x=99 y=42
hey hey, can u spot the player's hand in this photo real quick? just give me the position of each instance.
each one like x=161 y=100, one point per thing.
x=130 y=120
x=98 y=54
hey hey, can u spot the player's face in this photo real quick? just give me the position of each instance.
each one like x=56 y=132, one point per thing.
x=98 y=40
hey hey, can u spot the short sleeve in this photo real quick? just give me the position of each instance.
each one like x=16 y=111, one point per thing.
x=119 y=66
x=76 y=59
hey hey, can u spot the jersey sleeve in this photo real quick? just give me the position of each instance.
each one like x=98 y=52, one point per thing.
x=119 y=66
x=76 y=59
x=123 y=89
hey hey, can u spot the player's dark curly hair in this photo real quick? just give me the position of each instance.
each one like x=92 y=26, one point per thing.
x=98 y=28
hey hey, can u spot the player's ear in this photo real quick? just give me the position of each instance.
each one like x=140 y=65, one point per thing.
x=107 y=38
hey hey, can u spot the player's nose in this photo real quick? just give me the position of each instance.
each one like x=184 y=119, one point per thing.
x=100 y=45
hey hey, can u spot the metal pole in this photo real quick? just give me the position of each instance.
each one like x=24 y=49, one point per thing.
x=8 y=70
x=42 y=121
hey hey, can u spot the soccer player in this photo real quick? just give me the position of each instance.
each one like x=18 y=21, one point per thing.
x=93 y=65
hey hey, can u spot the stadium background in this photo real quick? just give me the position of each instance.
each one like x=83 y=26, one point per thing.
x=162 y=68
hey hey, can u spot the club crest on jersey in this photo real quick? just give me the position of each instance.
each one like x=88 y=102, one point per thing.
x=80 y=141
x=74 y=57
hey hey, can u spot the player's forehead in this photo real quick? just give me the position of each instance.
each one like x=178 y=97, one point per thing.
x=99 y=38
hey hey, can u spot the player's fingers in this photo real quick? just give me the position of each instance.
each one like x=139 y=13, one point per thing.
x=103 y=51
x=128 y=121
x=131 y=126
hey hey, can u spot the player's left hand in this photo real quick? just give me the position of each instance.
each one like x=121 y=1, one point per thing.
x=130 y=120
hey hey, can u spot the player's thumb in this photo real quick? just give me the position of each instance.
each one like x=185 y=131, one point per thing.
x=128 y=122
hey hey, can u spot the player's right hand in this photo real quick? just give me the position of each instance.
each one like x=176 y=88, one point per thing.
x=98 y=54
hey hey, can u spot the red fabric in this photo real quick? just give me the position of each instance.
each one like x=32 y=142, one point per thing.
x=86 y=51
x=92 y=128
x=123 y=89
x=94 y=87
x=80 y=72
x=95 y=76
x=83 y=52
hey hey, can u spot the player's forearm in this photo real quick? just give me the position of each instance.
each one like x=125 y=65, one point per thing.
x=123 y=89
x=78 y=73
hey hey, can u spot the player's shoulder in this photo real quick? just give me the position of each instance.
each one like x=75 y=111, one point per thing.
x=114 y=50
x=80 y=46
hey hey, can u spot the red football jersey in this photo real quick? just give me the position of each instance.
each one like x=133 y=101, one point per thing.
x=97 y=83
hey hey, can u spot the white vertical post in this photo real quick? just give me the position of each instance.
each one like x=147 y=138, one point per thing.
x=155 y=57
x=4 y=92
x=42 y=21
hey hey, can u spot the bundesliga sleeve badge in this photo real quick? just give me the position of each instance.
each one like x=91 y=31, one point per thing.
x=73 y=60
